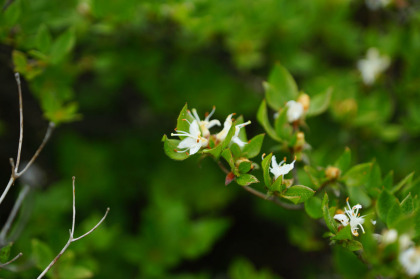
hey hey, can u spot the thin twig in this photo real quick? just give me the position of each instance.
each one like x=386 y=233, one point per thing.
x=47 y=136
x=272 y=199
x=15 y=167
x=12 y=260
x=17 y=76
x=13 y=214
x=72 y=238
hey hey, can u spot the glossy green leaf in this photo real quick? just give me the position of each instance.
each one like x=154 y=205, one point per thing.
x=344 y=161
x=384 y=203
x=406 y=181
x=228 y=138
x=280 y=88
x=253 y=148
x=407 y=205
x=170 y=146
x=278 y=185
x=353 y=245
x=357 y=175
x=395 y=214
x=246 y=179
x=262 y=117
x=62 y=46
x=282 y=127
x=266 y=170
x=298 y=193
x=329 y=220
x=313 y=207
x=181 y=124
x=43 y=39
x=215 y=152
x=343 y=234
x=388 y=180
x=244 y=166
x=319 y=103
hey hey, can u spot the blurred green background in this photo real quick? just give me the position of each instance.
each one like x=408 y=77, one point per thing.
x=115 y=75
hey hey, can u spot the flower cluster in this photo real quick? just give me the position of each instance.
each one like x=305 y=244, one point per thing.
x=296 y=109
x=280 y=169
x=353 y=218
x=199 y=134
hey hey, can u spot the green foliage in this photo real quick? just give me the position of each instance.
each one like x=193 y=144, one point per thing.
x=280 y=88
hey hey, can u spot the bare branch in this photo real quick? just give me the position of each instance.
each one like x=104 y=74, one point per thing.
x=71 y=232
x=12 y=260
x=13 y=214
x=17 y=76
x=47 y=136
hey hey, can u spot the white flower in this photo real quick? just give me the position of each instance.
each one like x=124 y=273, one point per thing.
x=372 y=66
x=280 y=169
x=205 y=124
x=226 y=127
x=405 y=241
x=376 y=4
x=410 y=260
x=193 y=141
x=389 y=236
x=355 y=218
x=294 y=111
x=235 y=138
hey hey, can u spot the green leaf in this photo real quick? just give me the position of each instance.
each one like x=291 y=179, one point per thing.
x=278 y=185
x=12 y=13
x=314 y=175
x=75 y=272
x=266 y=170
x=227 y=155
x=313 y=207
x=262 y=117
x=407 y=205
x=347 y=263
x=353 y=245
x=43 y=39
x=41 y=254
x=181 y=124
x=405 y=181
x=246 y=179
x=319 y=103
x=388 y=180
x=343 y=234
x=282 y=126
x=343 y=163
x=244 y=166
x=395 y=214
x=385 y=201
x=253 y=148
x=5 y=252
x=62 y=46
x=228 y=138
x=357 y=175
x=215 y=152
x=298 y=193
x=20 y=62
x=280 y=88
x=169 y=146
x=374 y=184
x=329 y=220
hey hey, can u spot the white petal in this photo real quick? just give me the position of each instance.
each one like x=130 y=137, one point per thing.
x=194 y=149
x=194 y=129
x=187 y=143
x=294 y=111
x=342 y=218
x=213 y=123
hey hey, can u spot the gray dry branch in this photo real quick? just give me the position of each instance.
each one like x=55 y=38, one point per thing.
x=72 y=238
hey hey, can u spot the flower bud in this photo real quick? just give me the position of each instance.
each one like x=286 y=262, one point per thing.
x=305 y=101
x=332 y=172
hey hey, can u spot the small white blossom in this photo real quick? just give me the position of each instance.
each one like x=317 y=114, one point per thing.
x=410 y=260
x=371 y=67
x=280 y=169
x=294 y=111
x=353 y=217
x=193 y=141
x=226 y=127
x=205 y=124
x=405 y=241
x=235 y=138
x=377 y=4
x=389 y=236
